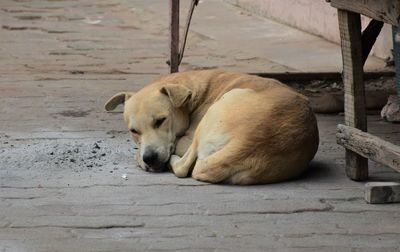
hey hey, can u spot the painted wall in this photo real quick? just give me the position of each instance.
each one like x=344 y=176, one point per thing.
x=313 y=16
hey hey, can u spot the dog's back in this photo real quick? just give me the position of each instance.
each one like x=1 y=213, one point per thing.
x=252 y=130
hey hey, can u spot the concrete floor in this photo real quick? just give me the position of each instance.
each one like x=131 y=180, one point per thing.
x=62 y=157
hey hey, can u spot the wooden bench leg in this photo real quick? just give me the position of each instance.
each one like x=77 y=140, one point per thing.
x=396 y=48
x=355 y=115
x=174 y=35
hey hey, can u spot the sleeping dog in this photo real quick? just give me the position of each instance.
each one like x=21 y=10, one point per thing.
x=221 y=127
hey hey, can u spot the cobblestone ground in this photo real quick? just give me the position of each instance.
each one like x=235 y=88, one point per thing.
x=62 y=157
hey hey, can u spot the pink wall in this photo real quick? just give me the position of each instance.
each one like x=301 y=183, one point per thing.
x=314 y=16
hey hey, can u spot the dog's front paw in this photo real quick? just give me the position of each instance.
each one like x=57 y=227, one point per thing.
x=176 y=167
x=174 y=160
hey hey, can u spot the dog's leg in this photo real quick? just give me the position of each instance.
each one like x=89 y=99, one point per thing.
x=182 y=145
x=214 y=169
x=217 y=165
x=182 y=166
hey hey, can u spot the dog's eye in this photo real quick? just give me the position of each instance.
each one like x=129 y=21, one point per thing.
x=159 y=122
x=134 y=131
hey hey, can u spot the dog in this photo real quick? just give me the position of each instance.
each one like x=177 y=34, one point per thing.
x=221 y=127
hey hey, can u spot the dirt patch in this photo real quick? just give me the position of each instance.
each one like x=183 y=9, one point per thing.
x=80 y=155
x=328 y=96
x=68 y=155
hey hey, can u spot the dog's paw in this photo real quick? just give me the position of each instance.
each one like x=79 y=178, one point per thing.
x=174 y=160
x=176 y=168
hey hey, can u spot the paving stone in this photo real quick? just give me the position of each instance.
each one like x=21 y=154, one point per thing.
x=62 y=157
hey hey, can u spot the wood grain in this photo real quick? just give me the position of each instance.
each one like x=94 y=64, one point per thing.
x=387 y=11
x=382 y=192
x=355 y=114
x=369 y=146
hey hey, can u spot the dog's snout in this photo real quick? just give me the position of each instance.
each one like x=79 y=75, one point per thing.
x=150 y=157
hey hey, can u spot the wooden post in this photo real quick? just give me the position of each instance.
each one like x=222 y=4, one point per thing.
x=355 y=115
x=396 y=49
x=174 y=36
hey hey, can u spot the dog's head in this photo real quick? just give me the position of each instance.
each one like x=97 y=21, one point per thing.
x=155 y=117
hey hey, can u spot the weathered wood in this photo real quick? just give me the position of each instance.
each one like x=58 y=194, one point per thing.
x=355 y=114
x=396 y=53
x=387 y=11
x=369 y=146
x=368 y=37
x=308 y=76
x=382 y=192
x=174 y=36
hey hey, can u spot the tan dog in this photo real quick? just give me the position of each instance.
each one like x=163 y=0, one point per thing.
x=221 y=127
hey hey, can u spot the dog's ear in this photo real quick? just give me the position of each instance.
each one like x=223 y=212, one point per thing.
x=178 y=94
x=117 y=99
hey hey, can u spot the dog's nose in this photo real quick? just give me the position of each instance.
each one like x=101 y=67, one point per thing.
x=150 y=157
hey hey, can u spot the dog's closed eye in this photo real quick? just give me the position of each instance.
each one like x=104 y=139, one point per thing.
x=159 y=122
x=134 y=131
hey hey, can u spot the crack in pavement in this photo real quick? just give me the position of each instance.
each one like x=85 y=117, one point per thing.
x=112 y=226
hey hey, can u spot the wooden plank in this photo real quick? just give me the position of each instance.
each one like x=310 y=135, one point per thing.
x=369 y=146
x=174 y=36
x=382 y=192
x=387 y=11
x=355 y=114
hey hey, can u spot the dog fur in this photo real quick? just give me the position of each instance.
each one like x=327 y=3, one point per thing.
x=221 y=127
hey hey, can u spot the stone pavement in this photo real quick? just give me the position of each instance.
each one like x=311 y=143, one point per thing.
x=62 y=157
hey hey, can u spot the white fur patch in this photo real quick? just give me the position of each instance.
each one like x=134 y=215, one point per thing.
x=212 y=144
x=213 y=137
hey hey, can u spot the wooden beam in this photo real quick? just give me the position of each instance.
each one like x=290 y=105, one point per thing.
x=382 y=192
x=369 y=146
x=355 y=114
x=387 y=11
x=174 y=35
x=368 y=37
x=309 y=76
